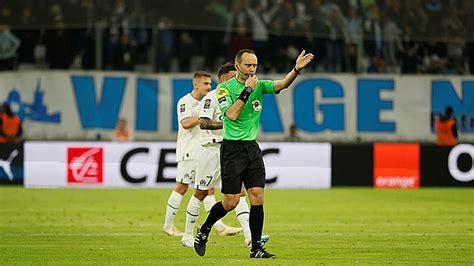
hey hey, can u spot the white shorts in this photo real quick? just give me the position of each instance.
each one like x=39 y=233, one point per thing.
x=208 y=172
x=186 y=171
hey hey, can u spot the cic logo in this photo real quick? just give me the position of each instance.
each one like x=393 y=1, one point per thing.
x=84 y=165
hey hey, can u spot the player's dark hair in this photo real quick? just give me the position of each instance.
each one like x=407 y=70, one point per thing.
x=200 y=74
x=224 y=69
x=238 y=56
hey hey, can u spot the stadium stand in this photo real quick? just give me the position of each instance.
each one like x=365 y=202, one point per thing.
x=357 y=36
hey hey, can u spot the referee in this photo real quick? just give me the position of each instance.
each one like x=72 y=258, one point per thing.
x=240 y=100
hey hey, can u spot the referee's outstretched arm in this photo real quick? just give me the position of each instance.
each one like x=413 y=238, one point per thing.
x=301 y=62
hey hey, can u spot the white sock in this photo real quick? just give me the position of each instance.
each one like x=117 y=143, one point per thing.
x=172 y=208
x=192 y=213
x=242 y=212
x=209 y=201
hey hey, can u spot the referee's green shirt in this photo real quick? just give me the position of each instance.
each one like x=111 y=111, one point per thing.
x=245 y=127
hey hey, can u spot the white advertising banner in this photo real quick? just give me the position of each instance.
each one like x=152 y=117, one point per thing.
x=152 y=164
x=81 y=105
x=297 y=165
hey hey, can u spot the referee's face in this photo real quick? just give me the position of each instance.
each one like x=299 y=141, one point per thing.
x=247 y=66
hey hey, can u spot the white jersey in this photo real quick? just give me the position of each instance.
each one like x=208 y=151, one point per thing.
x=188 y=139
x=210 y=109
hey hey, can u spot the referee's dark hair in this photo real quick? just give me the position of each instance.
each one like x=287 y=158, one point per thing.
x=238 y=56
x=224 y=69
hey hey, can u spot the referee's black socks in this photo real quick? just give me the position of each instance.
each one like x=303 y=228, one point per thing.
x=216 y=213
x=256 y=225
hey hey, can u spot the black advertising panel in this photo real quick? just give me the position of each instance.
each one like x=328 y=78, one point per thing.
x=352 y=164
x=447 y=166
x=11 y=164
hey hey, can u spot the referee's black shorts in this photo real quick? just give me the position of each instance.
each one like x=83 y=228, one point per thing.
x=241 y=162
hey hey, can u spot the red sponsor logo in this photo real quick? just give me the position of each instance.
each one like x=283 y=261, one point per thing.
x=84 y=165
x=396 y=165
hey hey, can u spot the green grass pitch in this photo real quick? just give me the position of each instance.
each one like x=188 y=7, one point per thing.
x=335 y=226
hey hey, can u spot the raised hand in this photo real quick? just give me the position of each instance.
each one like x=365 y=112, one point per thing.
x=303 y=60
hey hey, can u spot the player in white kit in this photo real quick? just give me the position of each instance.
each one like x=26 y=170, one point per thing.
x=208 y=171
x=188 y=145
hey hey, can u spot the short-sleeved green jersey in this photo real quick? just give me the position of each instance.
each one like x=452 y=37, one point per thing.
x=245 y=127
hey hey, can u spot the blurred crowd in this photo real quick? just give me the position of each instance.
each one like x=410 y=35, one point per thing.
x=359 y=36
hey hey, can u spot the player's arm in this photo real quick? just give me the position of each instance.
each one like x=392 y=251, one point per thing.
x=185 y=117
x=208 y=107
x=189 y=122
x=234 y=110
x=301 y=62
x=209 y=124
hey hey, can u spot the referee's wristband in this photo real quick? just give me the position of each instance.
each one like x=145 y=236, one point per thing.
x=297 y=71
x=245 y=94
